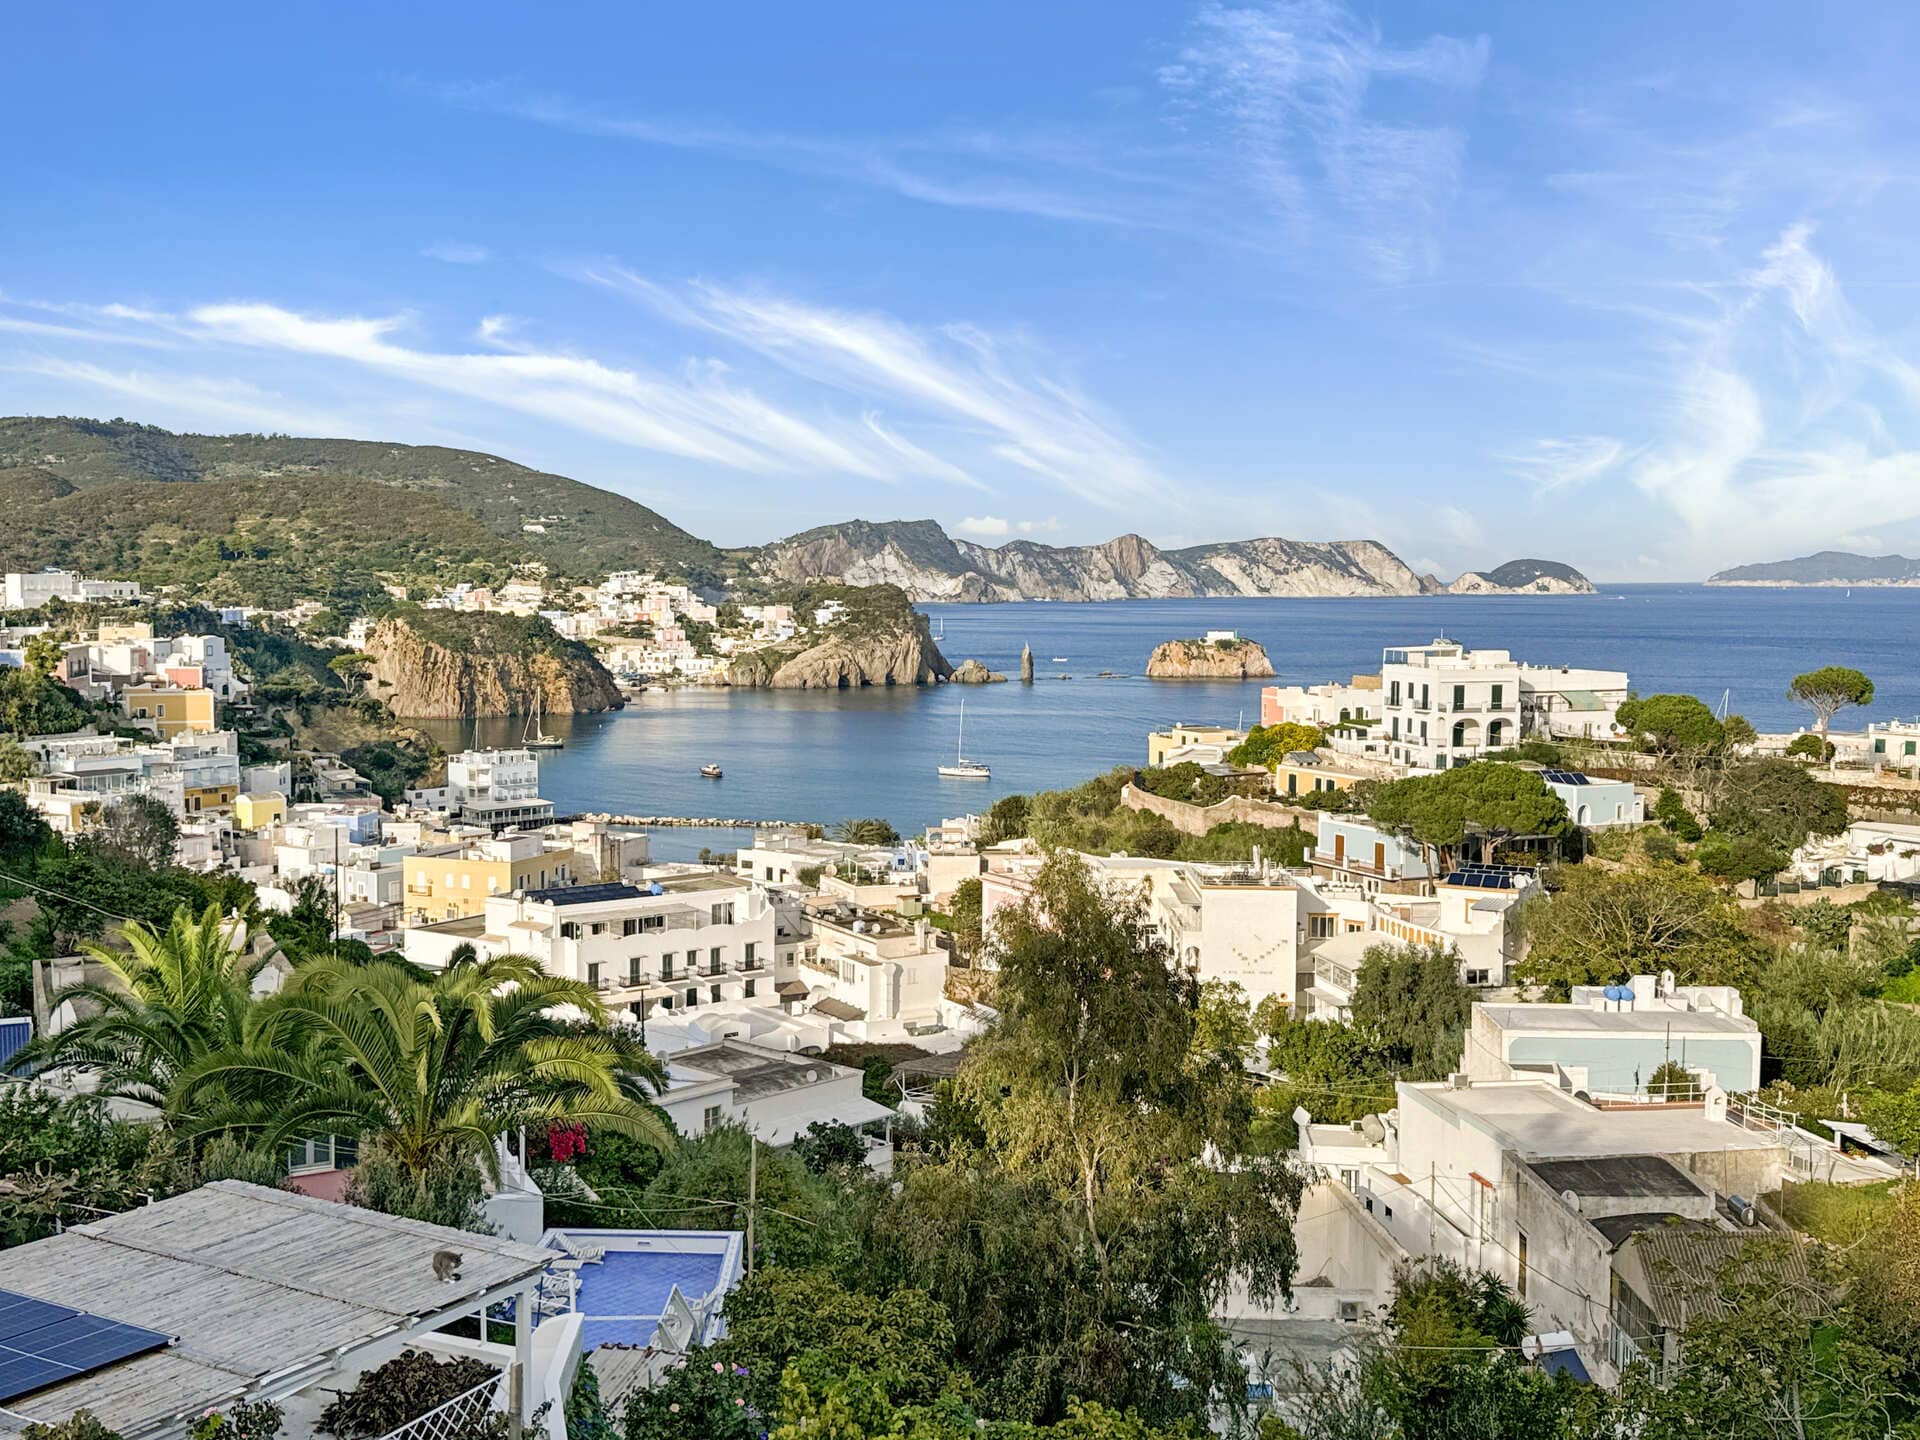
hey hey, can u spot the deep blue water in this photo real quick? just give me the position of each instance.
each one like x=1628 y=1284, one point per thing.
x=811 y=755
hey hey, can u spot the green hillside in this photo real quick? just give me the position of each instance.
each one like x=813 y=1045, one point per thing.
x=281 y=484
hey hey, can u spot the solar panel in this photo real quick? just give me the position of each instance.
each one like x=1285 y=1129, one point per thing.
x=43 y=1344
x=1564 y=777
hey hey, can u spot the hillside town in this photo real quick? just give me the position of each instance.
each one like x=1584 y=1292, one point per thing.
x=1474 y=972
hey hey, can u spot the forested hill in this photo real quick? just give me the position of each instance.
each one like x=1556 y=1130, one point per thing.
x=243 y=515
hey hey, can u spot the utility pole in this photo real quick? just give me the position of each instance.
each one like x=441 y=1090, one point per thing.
x=335 y=946
x=753 y=1186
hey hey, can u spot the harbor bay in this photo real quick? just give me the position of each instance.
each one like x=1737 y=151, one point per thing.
x=823 y=756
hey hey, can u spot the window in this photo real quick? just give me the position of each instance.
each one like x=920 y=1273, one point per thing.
x=1498 y=692
x=593 y=975
x=569 y=929
x=599 y=927
x=666 y=966
x=650 y=923
x=629 y=926
x=752 y=947
x=715 y=990
x=723 y=914
x=634 y=976
x=1460 y=696
x=747 y=994
x=1520 y=1283
x=1880 y=747
x=713 y=961
x=693 y=997
x=710 y=1117
x=1320 y=927
x=1478 y=977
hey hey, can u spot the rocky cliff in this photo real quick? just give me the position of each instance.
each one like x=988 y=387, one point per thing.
x=1209 y=660
x=929 y=565
x=439 y=665
x=881 y=641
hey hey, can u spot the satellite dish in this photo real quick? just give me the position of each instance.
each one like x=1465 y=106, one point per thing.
x=1371 y=1127
x=1571 y=1199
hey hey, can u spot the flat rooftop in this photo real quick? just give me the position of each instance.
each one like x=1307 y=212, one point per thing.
x=757 y=1073
x=1617 y=1177
x=1539 y=1121
x=1590 y=1020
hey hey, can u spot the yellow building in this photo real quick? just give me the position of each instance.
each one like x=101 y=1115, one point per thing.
x=123 y=632
x=450 y=882
x=1302 y=773
x=169 y=709
x=1206 y=744
x=257 y=811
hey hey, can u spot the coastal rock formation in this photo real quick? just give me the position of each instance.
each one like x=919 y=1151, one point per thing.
x=464 y=666
x=1026 y=664
x=1828 y=567
x=903 y=656
x=928 y=564
x=1523 y=577
x=972 y=672
x=1209 y=660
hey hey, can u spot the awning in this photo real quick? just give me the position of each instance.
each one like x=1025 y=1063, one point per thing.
x=837 y=1009
x=791 y=989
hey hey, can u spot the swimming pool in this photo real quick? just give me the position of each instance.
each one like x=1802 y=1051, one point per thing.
x=623 y=1296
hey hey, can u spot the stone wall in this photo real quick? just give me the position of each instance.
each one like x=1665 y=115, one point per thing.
x=1198 y=819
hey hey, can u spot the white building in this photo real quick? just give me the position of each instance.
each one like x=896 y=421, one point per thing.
x=80 y=773
x=1609 y=1040
x=1893 y=743
x=683 y=941
x=1445 y=704
x=1595 y=804
x=495 y=788
x=1322 y=706
x=31 y=590
x=876 y=973
x=775 y=1095
x=207 y=660
x=1522 y=1178
x=1867 y=850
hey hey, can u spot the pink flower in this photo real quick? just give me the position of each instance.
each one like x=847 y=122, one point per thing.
x=718 y=1368
x=738 y=1401
x=674 y=1408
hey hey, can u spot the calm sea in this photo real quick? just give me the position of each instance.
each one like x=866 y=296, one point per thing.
x=825 y=756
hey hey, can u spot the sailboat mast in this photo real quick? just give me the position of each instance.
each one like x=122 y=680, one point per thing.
x=960 y=742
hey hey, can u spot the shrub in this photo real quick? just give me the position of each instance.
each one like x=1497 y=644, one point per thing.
x=244 y=1420
x=81 y=1425
x=827 y=1144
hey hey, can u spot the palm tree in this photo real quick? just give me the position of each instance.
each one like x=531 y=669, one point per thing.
x=169 y=1000
x=870 y=831
x=433 y=1070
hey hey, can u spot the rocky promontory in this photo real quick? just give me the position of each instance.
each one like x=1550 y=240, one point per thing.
x=447 y=665
x=973 y=672
x=1234 y=659
x=879 y=639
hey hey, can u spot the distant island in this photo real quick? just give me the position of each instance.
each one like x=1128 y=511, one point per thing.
x=1828 y=567
x=1213 y=657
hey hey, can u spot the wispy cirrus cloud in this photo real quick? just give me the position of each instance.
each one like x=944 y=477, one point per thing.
x=1563 y=463
x=804 y=390
x=1048 y=176
x=1028 y=417
x=1296 y=86
x=1791 y=423
x=456 y=252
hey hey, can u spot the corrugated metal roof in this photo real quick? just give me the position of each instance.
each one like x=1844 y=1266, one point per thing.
x=1685 y=1267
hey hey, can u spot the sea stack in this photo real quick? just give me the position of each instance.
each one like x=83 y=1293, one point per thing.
x=1026 y=664
x=1221 y=655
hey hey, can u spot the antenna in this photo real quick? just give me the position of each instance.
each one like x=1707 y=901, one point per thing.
x=1725 y=697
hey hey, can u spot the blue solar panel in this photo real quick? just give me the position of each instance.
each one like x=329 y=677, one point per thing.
x=42 y=1343
x=1564 y=777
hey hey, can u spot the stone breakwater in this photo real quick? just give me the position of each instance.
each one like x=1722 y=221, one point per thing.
x=717 y=822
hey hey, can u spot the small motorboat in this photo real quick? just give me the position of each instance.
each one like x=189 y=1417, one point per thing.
x=712 y=772
x=1059 y=660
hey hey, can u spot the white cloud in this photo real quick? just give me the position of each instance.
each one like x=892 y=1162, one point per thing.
x=1046 y=176
x=191 y=400
x=455 y=252
x=988 y=527
x=1290 y=81
x=1028 y=418
x=1567 y=462
x=702 y=415
x=1039 y=527
x=1790 y=424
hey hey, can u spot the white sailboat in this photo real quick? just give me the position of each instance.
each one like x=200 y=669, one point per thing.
x=535 y=736
x=963 y=768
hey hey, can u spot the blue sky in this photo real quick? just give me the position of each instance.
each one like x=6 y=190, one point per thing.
x=1631 y=286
